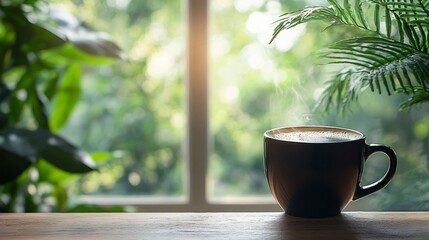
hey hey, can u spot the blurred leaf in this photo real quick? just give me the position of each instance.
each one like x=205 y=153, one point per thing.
x=29 y=204
x=11 y=165
x=97 y=44
x=15 y=111
x=18 y=142
x=44 y=144
x=49 y=173
x=60 y=195
x=52 y=86
x=66 y=156
x=93 y=208
x=3 y=121
x=4 y=92
x=101 y=156
x=38 y=38
x=38 y=104
x=63 y=23
x=67 y=97
x=19 y=95
x=71 y=53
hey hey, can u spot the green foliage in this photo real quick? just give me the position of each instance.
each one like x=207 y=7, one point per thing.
x=68 y=93
x=140 y=120
x=390 y=54
x=42 y=51
x=31 y=145
x=133 y=109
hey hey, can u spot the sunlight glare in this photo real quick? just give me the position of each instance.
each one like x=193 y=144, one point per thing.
x=248 y=5
x=259 y=24
x=256 y=56
x=287 y=38
x=230 y=94
x=118 y=4
x=134 y=179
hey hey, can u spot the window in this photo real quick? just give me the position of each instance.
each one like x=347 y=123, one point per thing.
x=201 y=87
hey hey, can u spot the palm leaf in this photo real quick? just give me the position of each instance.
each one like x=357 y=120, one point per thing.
x=414 y=14
x=396 y=60
x=289 y=20
x=342 y=90
x=407 y=9
x=377 y=67
x=419 y=96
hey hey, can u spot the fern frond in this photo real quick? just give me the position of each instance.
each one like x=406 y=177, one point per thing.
x=419 y=96
x=407 y=9
x=342 y=90
x=382 y=65
x=412 y=18
x=289 y=20
x=394 y=60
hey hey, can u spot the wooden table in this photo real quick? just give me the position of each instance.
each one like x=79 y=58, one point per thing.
x=349 y=225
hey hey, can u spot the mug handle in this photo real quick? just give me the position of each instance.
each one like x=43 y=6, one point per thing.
x=369 y=150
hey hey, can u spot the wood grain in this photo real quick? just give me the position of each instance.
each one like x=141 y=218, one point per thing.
x=349 y=225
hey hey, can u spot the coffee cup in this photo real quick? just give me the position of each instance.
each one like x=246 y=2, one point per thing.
x=315 y=171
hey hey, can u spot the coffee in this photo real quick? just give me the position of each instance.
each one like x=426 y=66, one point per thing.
x=316 y=136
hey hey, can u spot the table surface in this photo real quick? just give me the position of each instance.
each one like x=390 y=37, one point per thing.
x=348 y=225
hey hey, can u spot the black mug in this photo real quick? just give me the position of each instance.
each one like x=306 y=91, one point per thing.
x=315 y=171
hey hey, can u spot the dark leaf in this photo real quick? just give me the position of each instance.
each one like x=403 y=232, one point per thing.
x=52 y=86
x=4 y=92
x=38 y=103
x=19 y=96
x=65 y=24
x=29 y=203
x=3 y=121
x=19 y=142
x=66 y=156
x=97 y=44
x=11 y=165
x=38 y=38
x=44 y=144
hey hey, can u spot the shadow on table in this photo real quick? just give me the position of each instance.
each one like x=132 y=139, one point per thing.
x=338 y=227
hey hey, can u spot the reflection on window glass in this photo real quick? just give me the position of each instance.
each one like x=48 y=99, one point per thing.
x=256 y=86
x=134 y=109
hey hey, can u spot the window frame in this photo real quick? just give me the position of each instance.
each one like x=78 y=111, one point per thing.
x=198 y=124
x=197 y=142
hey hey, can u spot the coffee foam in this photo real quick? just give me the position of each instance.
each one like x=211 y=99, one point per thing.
x=316 y=136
